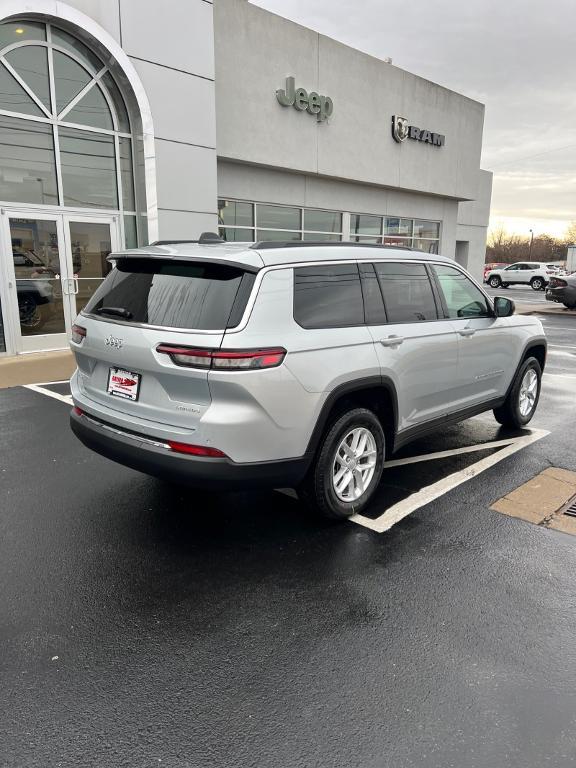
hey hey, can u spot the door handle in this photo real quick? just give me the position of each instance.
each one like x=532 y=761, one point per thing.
x=467 y=331
x=392 y=341
x=76 y=286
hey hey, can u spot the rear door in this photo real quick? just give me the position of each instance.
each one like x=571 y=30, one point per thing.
x=486 y=344
x=145 y=303
x=416 y=346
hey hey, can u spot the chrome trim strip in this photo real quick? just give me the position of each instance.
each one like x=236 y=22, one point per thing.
x=122 y=433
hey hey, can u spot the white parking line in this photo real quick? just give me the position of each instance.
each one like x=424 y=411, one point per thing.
x=48 y=392
x=419 y=499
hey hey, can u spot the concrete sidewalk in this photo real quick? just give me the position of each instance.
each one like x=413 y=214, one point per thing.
x=36 y=367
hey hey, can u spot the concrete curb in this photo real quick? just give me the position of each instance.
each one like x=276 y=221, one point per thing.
x=36 y=368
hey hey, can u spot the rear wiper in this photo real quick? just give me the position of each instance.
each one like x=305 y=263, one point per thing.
x=118 y=311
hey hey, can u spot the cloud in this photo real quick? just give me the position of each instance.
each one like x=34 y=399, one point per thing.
x=517 y=57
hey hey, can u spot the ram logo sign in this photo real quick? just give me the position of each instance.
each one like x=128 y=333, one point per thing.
x=401 y=130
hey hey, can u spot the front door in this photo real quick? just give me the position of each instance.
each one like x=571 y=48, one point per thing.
x=54 y=262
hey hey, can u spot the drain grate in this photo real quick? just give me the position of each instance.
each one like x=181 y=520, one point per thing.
x=570 y=508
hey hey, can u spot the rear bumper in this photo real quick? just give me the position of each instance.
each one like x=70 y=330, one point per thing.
x=560 y=295
x=151 y=456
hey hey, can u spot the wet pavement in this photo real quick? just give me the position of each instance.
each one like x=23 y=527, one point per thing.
x=146 y=625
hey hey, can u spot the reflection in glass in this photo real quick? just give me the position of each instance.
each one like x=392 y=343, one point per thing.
x=92 y=109
x=91 y=244
x=14 y=98
x=118 y=101
x=396 y=226
x=88 y=169
x=426 y=228
x=126 y=174
x=86 y=289
x=235 y=214
x=236 y=234
x=69 y=79
x=321 y=236
x=64 y=40
x=17 y=31
x=429 y=246
x=31 y=64
x=277 y=235
x=27 y=162
x=322 y=221
x=278 y=217
x=130 y=234
x=37 y=267
x=363 y=224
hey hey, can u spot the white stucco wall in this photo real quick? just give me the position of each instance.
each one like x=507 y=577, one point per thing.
x=257 y=50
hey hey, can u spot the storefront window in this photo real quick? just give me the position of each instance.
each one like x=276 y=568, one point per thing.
x=362 y=224
x=28 y=167
x=76 y=148
x=322 y=221
x=278 y=217
x=395 y=226
x=428 y=229
x=247 y=222
x=236 y=214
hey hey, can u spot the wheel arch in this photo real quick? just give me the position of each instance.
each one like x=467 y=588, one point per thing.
x=378 y=393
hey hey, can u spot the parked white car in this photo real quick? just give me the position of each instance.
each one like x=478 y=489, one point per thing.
x=531 y=273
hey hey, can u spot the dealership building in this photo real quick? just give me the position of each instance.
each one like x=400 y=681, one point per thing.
x=124 y=122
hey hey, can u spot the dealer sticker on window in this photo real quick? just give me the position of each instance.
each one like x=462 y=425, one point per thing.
x=123 y=383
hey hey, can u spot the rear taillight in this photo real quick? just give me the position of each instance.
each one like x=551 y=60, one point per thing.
x=77 y=411
x=196 y=450
x=78 y=334
x=555 y=282
x=224 y=359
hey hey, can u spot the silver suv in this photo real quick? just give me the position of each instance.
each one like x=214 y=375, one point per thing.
x=292 y=364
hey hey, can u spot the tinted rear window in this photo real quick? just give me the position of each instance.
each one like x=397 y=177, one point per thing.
x=174 y=294
x=407 y=292
x=328 y=296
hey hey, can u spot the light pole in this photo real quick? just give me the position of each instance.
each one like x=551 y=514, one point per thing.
x=531 y=241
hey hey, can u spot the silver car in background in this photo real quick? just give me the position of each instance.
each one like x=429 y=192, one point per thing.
x=292 y=364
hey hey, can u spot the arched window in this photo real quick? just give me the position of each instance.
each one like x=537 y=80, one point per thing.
x=66 y=136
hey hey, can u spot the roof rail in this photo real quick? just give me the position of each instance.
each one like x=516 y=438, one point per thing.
x=206 y=238
x=269 y=244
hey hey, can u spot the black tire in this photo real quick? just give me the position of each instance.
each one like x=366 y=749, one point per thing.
x=570 y=306
x=509 y=414
x=494 y=282
x=538 y=284
x=317 y=490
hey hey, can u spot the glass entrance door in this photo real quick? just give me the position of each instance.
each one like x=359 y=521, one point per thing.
x=55 y=263
x=89 y=241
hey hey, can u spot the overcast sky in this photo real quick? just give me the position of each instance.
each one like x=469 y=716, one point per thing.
x=518 y=57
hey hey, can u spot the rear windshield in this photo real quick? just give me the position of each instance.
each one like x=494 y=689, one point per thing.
x=174 y=294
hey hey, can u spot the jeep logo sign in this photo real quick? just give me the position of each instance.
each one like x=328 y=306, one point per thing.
x=300 y=99
x=401 y=131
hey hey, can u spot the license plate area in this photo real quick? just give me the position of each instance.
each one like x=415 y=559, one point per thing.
x=124 y=384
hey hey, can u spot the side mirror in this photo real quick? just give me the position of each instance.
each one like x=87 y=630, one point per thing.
x=503 y=307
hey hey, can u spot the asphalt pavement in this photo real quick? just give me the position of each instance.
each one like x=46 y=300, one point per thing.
x=146 y=625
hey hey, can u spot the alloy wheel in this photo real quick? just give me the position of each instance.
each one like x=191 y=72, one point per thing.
x=354 y=464
x=528 y=392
